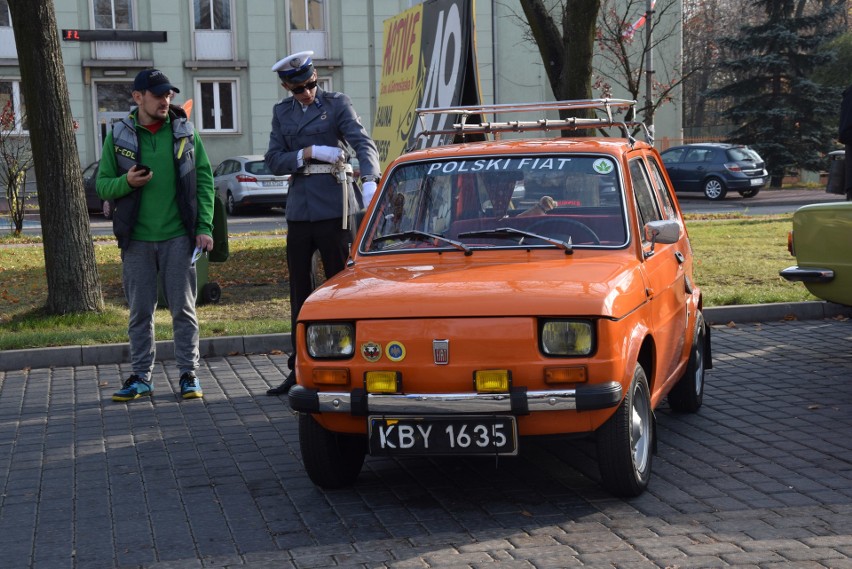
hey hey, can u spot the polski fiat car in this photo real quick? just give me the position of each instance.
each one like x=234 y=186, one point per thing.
x=818 y=241
x=465 y=321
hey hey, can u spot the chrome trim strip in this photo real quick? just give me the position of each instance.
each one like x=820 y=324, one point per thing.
x=452 y=403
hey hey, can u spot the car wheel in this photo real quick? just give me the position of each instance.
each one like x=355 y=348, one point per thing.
x=211 y=293
x=714 y=189
x=106 y=209
x=230 y=204
x=331 y=460
x=749 y=193
x=626 y=441
x=688 y=393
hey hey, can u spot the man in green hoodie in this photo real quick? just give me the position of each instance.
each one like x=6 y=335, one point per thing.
x=154 y=167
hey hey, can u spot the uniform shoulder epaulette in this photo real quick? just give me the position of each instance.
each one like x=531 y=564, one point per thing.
x=331 y=94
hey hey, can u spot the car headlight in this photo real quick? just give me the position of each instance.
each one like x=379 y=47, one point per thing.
x=331 y=340
x=567 y=337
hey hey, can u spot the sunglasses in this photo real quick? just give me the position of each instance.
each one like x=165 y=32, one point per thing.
x=302 y=88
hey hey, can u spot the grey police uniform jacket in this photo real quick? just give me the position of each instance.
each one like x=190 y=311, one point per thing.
x=329 y=121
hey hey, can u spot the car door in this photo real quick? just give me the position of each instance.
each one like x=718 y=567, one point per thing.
x=662 y=264
x=220 y=177
x=694 y=168
x=673 y=159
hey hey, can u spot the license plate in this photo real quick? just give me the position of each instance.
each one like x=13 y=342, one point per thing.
x=493 y=434
x=756 y=181
x=272 y=184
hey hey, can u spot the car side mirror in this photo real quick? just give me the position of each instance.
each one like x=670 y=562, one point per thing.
x=665 y=231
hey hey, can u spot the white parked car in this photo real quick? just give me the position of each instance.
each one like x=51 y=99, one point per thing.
x=245 y=181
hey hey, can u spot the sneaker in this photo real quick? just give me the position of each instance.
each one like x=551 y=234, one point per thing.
x=189 y=386
x=134 y=388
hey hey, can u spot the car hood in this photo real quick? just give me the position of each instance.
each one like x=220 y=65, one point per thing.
x=596 y=286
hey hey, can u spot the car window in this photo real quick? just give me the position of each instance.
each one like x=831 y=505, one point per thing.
x=258 y=167
x=564 y=196
x=662 y=189
x=673 y=155
x=739 y=154
x=644 y=193
x=699 y=155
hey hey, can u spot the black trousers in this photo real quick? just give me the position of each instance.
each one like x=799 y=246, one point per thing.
x=847 y=179
x=303 y=238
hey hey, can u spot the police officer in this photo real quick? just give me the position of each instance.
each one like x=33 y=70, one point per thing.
x=309 y=131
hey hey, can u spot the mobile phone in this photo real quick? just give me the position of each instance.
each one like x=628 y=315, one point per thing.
x=143 y=169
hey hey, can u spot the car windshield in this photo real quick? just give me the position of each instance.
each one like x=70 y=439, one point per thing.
x=564 y=201
x=258 y=167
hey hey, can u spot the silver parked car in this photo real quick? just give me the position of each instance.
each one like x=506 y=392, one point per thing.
x=245 y=181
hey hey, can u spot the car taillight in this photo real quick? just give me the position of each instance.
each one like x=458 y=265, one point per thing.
x=244 y=178
x=790 y=247
x=733 y=167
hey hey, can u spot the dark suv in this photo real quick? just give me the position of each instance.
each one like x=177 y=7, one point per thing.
x=714 y=168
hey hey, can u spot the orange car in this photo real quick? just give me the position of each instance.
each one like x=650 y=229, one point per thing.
x=504 y=288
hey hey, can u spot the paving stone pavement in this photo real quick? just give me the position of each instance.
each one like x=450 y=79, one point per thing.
x=760 y=477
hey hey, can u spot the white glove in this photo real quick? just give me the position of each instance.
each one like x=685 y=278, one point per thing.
x=367 y=191
x=330 y=154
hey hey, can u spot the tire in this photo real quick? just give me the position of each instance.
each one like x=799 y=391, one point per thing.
x=230 y=205
x=688 y=393
x=626 y=441
x=749 y=193
x=331 y=460
x=211 y=293
x=714 y=189
x=106 y=209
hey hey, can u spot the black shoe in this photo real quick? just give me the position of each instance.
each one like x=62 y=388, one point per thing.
x=285 y=385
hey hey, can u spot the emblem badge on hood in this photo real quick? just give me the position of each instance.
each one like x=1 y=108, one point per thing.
x=371 y=351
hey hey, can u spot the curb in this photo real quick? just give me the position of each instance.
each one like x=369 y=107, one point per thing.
x=73 y=356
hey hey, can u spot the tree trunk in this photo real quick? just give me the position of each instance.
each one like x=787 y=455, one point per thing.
x=566 y=51
x=73 y=284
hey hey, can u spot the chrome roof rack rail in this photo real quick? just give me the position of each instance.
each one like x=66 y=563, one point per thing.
x=605 y=109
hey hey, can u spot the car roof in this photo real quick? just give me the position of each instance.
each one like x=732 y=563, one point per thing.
x=723 y=145
x=246 y=158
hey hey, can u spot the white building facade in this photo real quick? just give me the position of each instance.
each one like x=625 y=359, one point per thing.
x=219 y=53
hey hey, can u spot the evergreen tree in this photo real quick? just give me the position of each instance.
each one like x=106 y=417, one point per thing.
x=778 y=109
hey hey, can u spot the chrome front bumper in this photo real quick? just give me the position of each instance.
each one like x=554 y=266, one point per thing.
x=807 y=274
x=519 y=401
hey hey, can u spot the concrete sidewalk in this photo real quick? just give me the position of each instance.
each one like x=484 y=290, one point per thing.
x=760 y=477
x=272 y=343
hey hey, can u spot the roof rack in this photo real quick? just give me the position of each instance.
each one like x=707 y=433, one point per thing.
x=603 y=107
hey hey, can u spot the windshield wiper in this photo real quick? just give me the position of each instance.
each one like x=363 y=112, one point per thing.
x=424 y=236
x=566 y=246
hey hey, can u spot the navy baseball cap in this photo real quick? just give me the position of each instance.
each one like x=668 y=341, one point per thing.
x=153 y=80
x=295 y=68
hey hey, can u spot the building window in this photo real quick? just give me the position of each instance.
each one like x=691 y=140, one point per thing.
x=5 y=15
x=13 y=112
x=218 y=109
x=212 y=30
x=307 y=15
x=7 y=35
x=212 y=14
x=307 y=27
x=113 y=15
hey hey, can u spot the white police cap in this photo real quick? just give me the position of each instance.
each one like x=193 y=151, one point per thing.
x=295 y=68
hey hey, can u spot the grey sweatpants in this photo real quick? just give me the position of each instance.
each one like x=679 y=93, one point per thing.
x=142 y=262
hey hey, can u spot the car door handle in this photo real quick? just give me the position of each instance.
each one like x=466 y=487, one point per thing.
x=679 y=256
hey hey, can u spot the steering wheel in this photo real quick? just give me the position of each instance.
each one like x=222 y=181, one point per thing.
x=556 y=228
